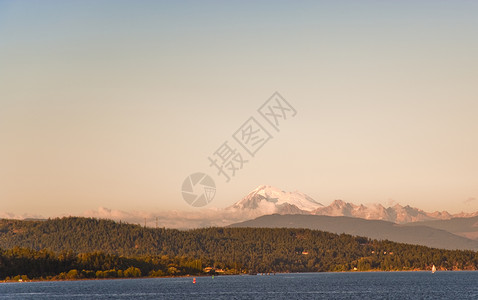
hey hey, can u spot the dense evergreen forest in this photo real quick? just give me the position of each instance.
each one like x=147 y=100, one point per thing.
x=71 y=248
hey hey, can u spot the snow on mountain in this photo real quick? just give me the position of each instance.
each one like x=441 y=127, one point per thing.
x=269 y=200
x=397 y=213
x=273 y=200
x=338 y=208
x=461 y=215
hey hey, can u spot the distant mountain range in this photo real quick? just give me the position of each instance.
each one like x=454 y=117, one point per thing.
x=465 y=227
x=413 y=233
x=268 y=206
x=272 y=207
x=266 y=200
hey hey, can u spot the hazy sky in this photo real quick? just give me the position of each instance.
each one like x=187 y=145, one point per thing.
x=115 y=103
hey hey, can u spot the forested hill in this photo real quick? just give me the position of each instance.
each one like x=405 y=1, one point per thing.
x=257 y=249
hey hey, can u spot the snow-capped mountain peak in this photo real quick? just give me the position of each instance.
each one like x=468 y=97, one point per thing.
x=269 y=196
x=266 y=200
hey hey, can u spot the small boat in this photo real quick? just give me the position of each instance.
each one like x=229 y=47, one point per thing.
x=434 y=269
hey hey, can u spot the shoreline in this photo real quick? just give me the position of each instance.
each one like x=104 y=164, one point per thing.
x=216 y=275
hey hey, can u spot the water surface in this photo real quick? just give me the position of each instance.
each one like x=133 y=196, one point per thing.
x=357 y=285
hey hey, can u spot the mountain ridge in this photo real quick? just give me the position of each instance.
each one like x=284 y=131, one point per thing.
x=266 y=200
x=374 y=229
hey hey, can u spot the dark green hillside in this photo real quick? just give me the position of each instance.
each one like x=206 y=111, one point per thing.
x=56 y=244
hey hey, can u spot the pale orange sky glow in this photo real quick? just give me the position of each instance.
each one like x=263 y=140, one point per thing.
x=113 y=104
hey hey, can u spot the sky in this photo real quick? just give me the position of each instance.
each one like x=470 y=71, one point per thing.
x=115 y=103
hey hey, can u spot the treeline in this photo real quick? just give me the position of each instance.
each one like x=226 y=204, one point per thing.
x=231 y=249
x=22 y=263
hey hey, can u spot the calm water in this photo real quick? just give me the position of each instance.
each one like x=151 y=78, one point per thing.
x=394 y=285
